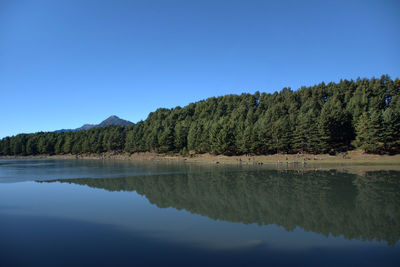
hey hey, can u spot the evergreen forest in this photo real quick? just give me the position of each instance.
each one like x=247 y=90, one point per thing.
x=324 y=118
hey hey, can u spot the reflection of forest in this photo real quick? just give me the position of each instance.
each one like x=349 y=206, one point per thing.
x=323 y=202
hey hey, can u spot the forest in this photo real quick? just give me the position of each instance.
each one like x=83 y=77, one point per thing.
x=324 y=118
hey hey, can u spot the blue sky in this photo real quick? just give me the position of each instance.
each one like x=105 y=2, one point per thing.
x=66 y=63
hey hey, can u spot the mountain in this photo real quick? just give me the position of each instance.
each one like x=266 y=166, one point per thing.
x=112 y=120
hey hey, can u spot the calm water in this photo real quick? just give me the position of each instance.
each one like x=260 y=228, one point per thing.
x=71 y=212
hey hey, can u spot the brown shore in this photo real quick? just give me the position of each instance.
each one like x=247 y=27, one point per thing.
x=354 y=158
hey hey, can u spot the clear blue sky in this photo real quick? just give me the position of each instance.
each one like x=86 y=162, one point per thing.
x=66 y=63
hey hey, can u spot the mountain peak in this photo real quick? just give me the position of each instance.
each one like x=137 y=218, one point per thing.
x=112 y=120
x=113 y=117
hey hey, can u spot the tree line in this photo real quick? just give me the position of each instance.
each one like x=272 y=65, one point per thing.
x=361 y=113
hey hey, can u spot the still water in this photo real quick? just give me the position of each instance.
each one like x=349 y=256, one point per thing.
x=113 y=213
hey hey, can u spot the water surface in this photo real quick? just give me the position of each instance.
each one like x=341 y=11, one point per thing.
x=81 y=212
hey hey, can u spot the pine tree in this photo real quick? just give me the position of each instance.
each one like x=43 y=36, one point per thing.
x=370 y=132
x=391 y=133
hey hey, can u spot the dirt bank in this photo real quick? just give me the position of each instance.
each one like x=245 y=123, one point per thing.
x=356 y=157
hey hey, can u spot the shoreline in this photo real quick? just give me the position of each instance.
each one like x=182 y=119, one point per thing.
x=352 y=158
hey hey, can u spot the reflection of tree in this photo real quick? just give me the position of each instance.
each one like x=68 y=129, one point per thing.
x=379 y=197
x=323 y=202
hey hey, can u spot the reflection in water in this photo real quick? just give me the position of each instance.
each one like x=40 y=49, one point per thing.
x=20 y=170
x=327 y=202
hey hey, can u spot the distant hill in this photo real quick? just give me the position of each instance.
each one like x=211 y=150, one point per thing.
x=324 y=118
x=112 y=120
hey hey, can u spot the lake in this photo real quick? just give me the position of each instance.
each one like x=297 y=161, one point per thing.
x=57 y=212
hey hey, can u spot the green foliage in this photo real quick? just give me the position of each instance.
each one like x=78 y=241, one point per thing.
x=391 y=126
x=335 y=125
x=326 y=117
x=370 y=132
